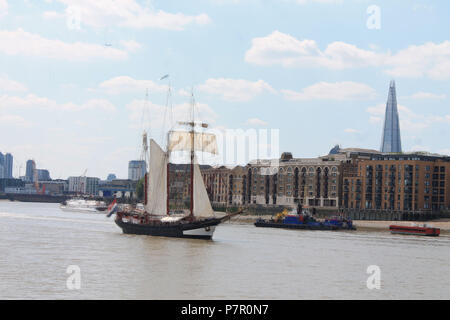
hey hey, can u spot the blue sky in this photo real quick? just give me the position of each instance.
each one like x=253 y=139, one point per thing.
x=74 y=74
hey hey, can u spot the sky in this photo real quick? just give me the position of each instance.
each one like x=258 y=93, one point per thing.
x=74 y=75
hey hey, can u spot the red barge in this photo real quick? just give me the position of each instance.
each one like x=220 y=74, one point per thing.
x=415 y=230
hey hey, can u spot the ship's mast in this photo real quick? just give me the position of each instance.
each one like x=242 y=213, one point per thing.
x=167 y=174
x=191 y=126
x=192 y=155
x=168 y=101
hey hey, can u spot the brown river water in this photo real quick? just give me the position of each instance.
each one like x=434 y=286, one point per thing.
x=38 y=243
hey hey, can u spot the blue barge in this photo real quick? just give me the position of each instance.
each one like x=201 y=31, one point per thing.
x=305 y=221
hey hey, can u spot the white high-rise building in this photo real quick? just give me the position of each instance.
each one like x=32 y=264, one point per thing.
x=84 y=185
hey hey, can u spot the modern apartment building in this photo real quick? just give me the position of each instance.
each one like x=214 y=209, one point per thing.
x=84 y=185
x=404 y=182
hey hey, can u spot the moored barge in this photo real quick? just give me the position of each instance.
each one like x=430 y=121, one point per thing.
x=415 y=230
x=305 y=221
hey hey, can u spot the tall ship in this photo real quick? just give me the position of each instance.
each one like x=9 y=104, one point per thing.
x=155 y=219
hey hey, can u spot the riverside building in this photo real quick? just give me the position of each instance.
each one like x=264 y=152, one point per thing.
x=403 y=182
x=350 y=178
x=84 y=185
x=308 y=181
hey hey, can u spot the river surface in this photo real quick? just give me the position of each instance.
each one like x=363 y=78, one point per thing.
x=38 y=243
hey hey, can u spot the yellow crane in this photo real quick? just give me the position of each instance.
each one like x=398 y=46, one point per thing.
x=280 y=216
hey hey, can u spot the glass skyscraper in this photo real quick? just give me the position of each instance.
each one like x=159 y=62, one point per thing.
x=391 y=141
x=6 y=165
x=136 y=169
x=29 y=173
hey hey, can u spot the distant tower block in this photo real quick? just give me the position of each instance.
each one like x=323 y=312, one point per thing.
x=391 y=141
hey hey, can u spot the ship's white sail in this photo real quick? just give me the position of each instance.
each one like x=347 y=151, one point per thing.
x=157 y=181
x=202 y=206
x=182 y=141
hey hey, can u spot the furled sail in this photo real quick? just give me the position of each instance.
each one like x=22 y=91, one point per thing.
x=202 y=206
x=182 y=141
x=157 y=181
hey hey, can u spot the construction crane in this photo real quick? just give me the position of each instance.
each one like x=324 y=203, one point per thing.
x=36 y=183
x=280 y=216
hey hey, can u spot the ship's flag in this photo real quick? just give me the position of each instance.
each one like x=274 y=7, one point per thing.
x=112 y=208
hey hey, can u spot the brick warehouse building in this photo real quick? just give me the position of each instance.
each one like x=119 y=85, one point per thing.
x=353 y=179
x=313 y=181
x=225 y=185
x=404 y=182
x=346 y=178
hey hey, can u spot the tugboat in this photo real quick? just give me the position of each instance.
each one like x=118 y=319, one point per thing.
x=156 y=219
x=415 y=230
x=303 y=219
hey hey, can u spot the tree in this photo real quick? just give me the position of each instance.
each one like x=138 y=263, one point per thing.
x=140 y=189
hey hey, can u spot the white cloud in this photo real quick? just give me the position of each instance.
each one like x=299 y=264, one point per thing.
x=32 y=101
x=319 y=1
x=123 y=84
x=20 y=42
x=3 y=8
x=256 y=122
x=376 y=120
x=52 y=15
x=282 y=49
x=346 y=90
x=409 y=120
x=430 y=60
x=7 y=85
x=184 y=93
x=164 y=20
x=223 y=2
x=128 y=13
x=235 y=89
x=377 y=110
x=131 y=45
x=350 y=130
x=14 y=121
x=428 y=95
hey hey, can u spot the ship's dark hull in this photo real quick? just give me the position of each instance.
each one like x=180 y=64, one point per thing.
x=202 y=229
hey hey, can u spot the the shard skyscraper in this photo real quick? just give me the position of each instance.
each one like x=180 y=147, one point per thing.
x=391 y=141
